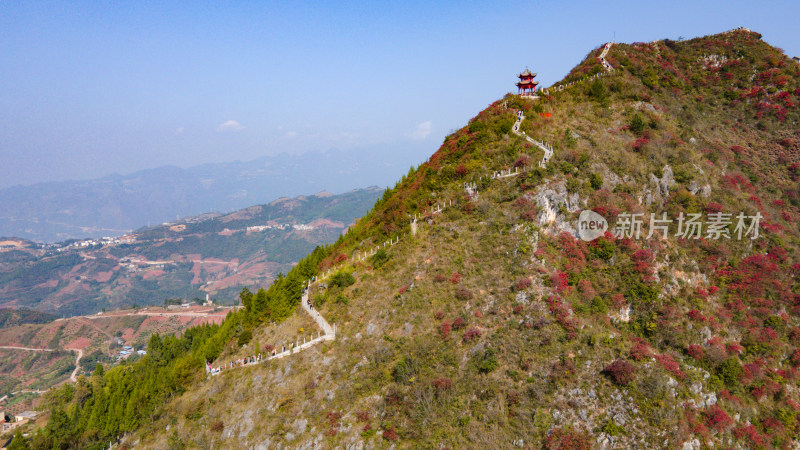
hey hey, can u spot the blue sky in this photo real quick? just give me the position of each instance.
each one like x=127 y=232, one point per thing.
x=91 y=88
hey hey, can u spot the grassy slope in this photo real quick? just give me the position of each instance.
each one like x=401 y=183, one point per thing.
x=712 y=341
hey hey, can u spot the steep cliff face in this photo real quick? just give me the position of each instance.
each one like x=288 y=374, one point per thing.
x=496 y=325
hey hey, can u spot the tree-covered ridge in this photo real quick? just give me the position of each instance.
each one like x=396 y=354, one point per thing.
x=117 y=401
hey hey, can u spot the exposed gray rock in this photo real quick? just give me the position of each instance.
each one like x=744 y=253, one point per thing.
x=552 y=200
x=300 y=425
x=694 y=444
x=710 y=399
x=610 y=179
x=645 y=106
x=705 y=334
x=666 y=181
x=264 y=445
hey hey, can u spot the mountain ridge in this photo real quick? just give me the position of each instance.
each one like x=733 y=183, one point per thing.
x=491 y=324
x=115 y=204
x=212 y=254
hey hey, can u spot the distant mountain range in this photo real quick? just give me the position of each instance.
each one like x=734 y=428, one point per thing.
x=116 y=204
x=213 y=255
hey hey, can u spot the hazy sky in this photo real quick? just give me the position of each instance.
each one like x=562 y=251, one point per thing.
x=91 y=88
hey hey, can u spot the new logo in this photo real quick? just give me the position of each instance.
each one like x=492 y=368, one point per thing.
x=591 y=225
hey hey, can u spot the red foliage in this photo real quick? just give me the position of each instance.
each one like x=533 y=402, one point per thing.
x=455 y=277
x=461 y=170
x=559 y=282
x=737 y=149
x=523 y=283
x=403 y=289
x=717 y=419
x=669 y=363
x=439 y=278
x=712 y=207
x=620 y=372
x=695 y=351
x=439 y=315
x=393 y=398
x=442 y=383
x=638 y=144
x=390 y=434
x=362 y=416
x=563 y=315
x=643 y=261
x=472 y=333
x=444 y=329
x=618 y=300
x=567 y=438
x=753 y=371
x=575 y=251
x=463 y=293
x=459 y=323
x=751 y=435
x=795 y=358
x=727 y=396
x=522 y=161
x=772 y=424
x=696 y=315
x=518 y=309
x=527 y=208
x=586 y=289
x=739 y=182
x=333 y=421
x=640 y=351
x=468 y=206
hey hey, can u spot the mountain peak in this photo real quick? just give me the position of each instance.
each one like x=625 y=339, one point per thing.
x=473 y=310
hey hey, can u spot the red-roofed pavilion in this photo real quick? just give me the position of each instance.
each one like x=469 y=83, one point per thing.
x=526 y=85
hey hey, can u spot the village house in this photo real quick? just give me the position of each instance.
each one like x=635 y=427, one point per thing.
x=26 y=416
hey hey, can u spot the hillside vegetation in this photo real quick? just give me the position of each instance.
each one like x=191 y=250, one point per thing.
x=494 y=326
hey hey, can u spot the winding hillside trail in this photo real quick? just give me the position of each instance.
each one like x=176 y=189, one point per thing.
x=207 y=313
x=603 y=54
x=321 y=322
x=12 y=347
x=547 y=149
x=74 y=376
x=329 y=331
x=329 y=335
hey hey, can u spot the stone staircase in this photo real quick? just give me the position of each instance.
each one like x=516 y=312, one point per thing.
x=329 y=335
x=545 y=147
